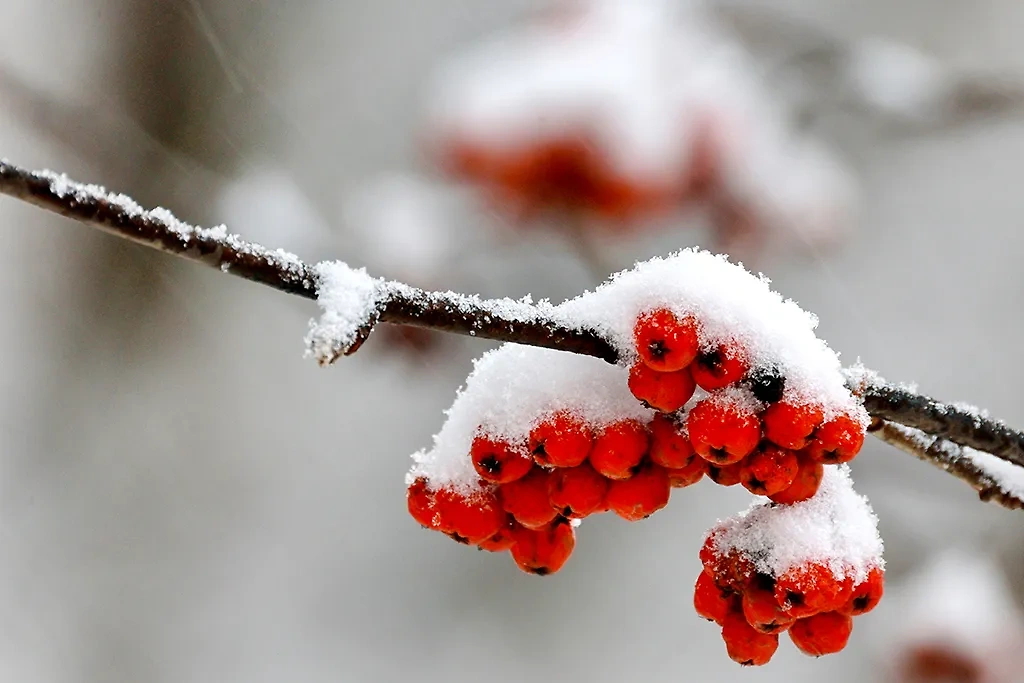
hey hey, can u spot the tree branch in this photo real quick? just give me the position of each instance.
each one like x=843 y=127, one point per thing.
x=949 y=457
x=504 y=320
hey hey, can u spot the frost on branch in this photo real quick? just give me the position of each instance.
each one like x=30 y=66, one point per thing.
x=349 y=298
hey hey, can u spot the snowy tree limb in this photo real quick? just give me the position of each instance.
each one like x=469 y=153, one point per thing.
x=951 y=458
x=505 y=320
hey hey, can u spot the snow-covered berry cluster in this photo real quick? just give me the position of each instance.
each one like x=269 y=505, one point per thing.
x=733 y=383
x=742 y=426
x=806 y=569
x=617 y=110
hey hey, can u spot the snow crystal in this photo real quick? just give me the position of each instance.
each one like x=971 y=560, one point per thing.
x=349 y=299
x=835 y=528
x=513 y=388
x=733 y=306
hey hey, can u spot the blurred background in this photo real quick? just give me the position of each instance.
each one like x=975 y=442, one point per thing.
x=183 y=497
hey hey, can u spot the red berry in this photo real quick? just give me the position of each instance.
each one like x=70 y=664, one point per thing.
x=502 y=540
x=543 y=551
x=822 y=634
x=762 y=611
x=745 y=644
x=497 y=461
x=664 y=391
x=867 y=595
x=791 y=426
x=664 y=341
x=730 y=571
x=420 y=500
x=804 y=485
x=527 y=500
x=577 y=491
x=641 y=495
x=619 y=448
x=722 y=432
x=726 y=475
x=808 y=589
x=769 y=470
x=687 y=476
x=838 y=440
x=562 y=440
x=469 y=518
x=710 y=601
x=669 y=446
x=720 y=367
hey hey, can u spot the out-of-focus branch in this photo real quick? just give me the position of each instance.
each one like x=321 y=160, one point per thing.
x=502 y=320
x=949 y=457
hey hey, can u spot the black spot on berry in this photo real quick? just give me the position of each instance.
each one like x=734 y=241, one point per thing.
x=710 y=359
x=794 y=598
x=860 y=603
x=657 y=349
x=755 y=485
x=540 y=571
x=490 y=464
x=764 y=582
x=767 y=384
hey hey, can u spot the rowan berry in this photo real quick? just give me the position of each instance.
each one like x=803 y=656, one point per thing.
x=866 y=596
x=469 y=518
x=838 y=440
x=563 y=440
x=722 y=432
x=791 y=426
x=527 y=499
x=808 y=589
x=710 y=601
x=681 y=477
x=641 y=495
x=730 y=571
x=726 y=475
x=619 y=448
x=502 y=540
x=822 y=634
x=577 y=492
x=665 y=341
x=762 y=610
x=497 y=461
x=769 y=470
x=719 y=367
x=664 y=391
x=745 y=644
x=420 y=500
x=804 y=485
x=669 y=446
x=543 y=551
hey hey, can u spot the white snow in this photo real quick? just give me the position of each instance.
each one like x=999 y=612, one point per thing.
x=835 y=528
x=513 y=388
x=733 y=306
x=349 y=299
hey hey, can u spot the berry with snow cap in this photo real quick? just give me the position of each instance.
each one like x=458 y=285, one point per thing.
x=498 y=461
x=769 y=470
x=719 y=367
x=562 y=440
x=791 y=425
x=837 y=440
x=664 y=341
x=669 y=446
x=663 y=391
x=723 y=431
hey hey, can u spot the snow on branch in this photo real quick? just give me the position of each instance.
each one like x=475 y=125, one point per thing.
x=354 y=302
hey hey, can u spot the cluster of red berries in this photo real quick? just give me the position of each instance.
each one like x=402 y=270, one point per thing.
x=773 y=447
x=753 y=608
x=571 y=174
x=528 y=495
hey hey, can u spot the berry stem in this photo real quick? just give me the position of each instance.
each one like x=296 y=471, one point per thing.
x=501 y=320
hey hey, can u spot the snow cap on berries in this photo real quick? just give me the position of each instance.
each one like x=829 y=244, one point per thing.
x=511 y=390
x=836 y=528
x=733 y=307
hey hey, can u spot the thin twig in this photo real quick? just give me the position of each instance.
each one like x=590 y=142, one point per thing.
x=948 y=457
x=502 y=320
